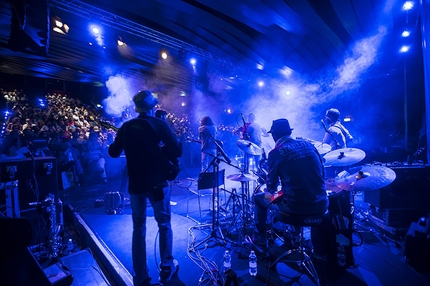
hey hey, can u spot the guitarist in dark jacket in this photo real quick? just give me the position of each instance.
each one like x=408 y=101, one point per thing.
x=139 y=138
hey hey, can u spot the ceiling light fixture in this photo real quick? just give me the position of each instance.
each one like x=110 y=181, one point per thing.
x=60 y=27
x=406 y=34
x=120 y=41
x=408 y=5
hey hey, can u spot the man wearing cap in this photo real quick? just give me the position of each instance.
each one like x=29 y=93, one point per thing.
x=336 y=135
x=297 y=166
x=139 y=138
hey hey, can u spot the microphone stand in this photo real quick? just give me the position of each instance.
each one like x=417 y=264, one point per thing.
x=334 y=139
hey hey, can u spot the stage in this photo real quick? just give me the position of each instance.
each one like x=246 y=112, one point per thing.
x=198 y=246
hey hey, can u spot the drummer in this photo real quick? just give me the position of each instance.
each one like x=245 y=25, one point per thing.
x=297 y=166
x=336 y=134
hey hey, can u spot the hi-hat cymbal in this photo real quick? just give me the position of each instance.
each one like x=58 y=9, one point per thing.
x=249 y=147
x=242 y=177
x=343 y=157
x=321 y=147
x=365 y=178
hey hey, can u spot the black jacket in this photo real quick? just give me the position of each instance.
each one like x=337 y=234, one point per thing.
x=141 y=145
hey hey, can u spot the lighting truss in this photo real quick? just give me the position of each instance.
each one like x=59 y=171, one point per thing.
x=90 y=12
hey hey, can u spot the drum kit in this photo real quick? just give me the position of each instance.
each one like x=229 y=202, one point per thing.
x=355 y=179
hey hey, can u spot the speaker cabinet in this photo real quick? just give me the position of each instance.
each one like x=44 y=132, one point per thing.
x=410 y=190
x=36 y=178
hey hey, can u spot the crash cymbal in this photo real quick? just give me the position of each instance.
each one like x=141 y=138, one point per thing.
x=322 y=148
x=365 y=178
x=242 y=177
x=343 y=157
x=249 y=147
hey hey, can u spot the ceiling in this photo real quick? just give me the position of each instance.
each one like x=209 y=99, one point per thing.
x=233 y=38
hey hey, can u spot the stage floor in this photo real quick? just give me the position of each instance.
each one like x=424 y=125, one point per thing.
x=199 y=246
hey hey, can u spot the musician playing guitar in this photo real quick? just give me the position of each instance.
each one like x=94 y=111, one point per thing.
x=297 y=166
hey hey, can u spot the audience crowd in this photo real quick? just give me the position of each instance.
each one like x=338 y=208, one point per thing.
x=59 y=126
x=78 y=134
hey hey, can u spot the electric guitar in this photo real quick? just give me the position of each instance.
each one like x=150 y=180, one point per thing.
x=276 y=197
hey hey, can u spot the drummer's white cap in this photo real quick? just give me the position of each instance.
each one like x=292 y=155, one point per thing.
x=280 y=127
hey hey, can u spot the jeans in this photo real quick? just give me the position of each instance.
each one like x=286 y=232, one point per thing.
x=162 y=216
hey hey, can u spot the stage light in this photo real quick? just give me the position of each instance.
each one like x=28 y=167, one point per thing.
x=404 y=49
x=405 y=33
x=60 y=27
x=95 y=30
x=193 y=61
x=120 y=41
x=183 y=104
x=164 y=55
x=261 y=83
x=408 y=5
x=182 y=93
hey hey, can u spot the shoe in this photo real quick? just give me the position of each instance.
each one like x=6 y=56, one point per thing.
x=166 y=272
x=259 y=248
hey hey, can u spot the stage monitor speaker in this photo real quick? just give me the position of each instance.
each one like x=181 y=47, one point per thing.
x=36 y=179
x=410 y=190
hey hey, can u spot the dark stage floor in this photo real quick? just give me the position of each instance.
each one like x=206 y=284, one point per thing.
x=378 y=254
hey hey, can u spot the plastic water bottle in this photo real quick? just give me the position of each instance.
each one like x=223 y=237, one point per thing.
x=252 y=264
x=341 y=255
x=227 y=261
x=70 y=245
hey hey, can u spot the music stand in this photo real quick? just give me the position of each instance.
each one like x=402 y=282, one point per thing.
x=213 y=180
x=206 y=180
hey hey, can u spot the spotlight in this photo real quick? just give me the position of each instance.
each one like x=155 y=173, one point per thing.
x=164 y=55
x=95 y=30
x=60 y=27
x=120 y=41
x=193 y=61
x=408 y=5
x=405 y=33
x=404 y=49
x=261 y=83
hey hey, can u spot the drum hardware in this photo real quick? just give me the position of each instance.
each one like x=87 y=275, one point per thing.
x=343 y=157
x=242 y=177
x=249 y=147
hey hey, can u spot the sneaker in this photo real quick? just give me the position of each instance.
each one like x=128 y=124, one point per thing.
x=259 y=248
x=166 y=272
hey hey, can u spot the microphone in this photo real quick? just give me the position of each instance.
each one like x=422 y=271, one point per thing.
x=323 y=124
x=243 y=120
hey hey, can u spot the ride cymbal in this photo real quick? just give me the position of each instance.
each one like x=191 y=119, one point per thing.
x=242 y=177
x=365 y=178
x=343 y=157
x=249 y=147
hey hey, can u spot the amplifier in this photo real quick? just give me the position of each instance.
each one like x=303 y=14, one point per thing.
x=36 y=178
x=410 y=189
